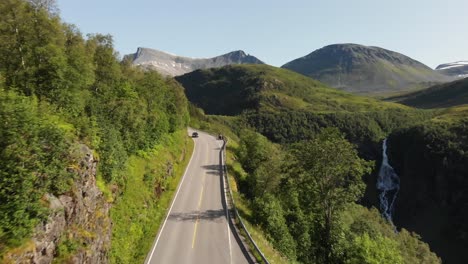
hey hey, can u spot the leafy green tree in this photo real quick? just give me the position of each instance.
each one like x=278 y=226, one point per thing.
x=299 y=224
x=328 y=172
x=50 y=6
x=15 y=32
x=380 y=250
x=358 y=221
x=270 y=214
x=262 y=160
x=108 y=72
x=252 y=150
x=33 y=159
x=32 y=46
x=413 y=250
x=79 y=74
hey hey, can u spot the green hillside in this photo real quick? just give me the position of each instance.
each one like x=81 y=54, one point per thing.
x=286 y=106
x=365 y=70
x=439 y=96
x=233 y=89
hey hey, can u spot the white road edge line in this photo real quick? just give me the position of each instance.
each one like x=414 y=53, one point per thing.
x=173 y=201
x=227 y=209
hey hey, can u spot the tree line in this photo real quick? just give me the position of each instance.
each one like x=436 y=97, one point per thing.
x=59 y=89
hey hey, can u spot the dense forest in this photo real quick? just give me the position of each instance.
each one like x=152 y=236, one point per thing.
x=59 y=89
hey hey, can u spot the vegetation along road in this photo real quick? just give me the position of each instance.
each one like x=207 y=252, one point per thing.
x=196 y=229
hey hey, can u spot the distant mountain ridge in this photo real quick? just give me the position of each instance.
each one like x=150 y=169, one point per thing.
x=457 y=69
x=365 y=70
x=439 y=96
x=174 y=65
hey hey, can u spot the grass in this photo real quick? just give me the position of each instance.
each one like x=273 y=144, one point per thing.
x=452 y=115
x=310 y=94
x=11 y=256
x=261 y=87
x=140 y=209
x=242 y=205
x=438 y=96
x=104 y=188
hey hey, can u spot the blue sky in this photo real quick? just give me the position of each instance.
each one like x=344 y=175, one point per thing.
x=431 y=31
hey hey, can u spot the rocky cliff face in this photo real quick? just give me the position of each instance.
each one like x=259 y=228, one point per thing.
x=432 y=162
x=173 y=65
x=78 y=229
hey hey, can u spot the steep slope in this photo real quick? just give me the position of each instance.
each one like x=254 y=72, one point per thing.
x=439 y=96
x=365 y=70
x=173 y=65
x=233 y=89
x=432 y=161
x=287 y=107
x=457 y=69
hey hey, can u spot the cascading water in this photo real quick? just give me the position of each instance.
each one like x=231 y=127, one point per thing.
x=388 y=183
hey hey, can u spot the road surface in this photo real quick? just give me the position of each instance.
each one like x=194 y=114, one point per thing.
x=196 y=229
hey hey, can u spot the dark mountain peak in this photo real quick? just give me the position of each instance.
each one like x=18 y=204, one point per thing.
x=364 y=69
x=350 y=52
x=239 y=53
x=346 y=47
x=240 y=57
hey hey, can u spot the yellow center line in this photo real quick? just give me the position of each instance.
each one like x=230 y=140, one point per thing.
x=198 y=218
x=195 y=233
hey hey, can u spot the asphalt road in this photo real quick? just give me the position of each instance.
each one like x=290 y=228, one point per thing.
x=196 y=229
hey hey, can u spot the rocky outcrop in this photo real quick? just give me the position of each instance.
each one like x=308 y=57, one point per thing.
x=78 y=228
x=173 y=65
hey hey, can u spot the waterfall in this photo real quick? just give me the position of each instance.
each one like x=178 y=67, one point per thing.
x=388 y=183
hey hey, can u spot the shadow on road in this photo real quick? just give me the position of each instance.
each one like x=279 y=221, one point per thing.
x=212 y=169
x=208 y=215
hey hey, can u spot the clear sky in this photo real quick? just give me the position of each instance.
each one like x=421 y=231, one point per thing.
x=431 y=31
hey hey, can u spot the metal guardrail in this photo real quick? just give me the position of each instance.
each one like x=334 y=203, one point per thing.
x=236 y=213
